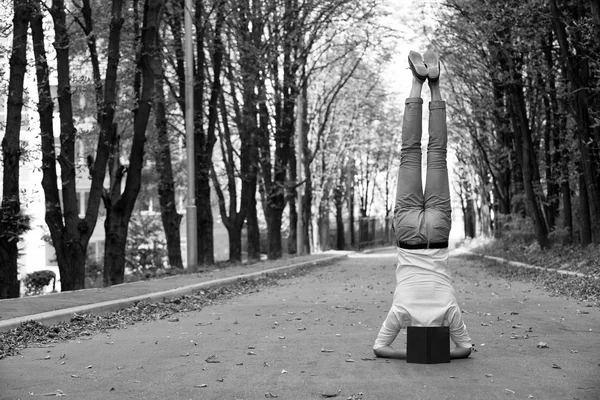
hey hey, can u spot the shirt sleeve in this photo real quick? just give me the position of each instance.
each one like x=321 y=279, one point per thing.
x=458 y=330
x=390 y=328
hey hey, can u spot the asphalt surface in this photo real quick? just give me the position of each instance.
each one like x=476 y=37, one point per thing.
x=57 y=307
x=311 y=336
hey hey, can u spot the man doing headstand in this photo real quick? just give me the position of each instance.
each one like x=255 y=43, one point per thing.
x=424 y=295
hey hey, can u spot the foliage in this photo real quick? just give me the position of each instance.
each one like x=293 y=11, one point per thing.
x=518 y=243
x=519 y=123
x=146 y=253
x=36 y=281
x=13 y=225
x=94 y=273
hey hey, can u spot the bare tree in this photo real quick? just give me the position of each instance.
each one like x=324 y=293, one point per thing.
x=12 y=222
x=119 y=202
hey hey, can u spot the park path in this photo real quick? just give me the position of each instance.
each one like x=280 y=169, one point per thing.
x=311 y=337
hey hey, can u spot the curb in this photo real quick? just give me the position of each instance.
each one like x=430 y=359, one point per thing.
x=529 y=266
x=105 y=307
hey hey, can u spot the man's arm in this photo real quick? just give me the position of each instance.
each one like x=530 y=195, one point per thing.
x=460 y=352
x=389 y=352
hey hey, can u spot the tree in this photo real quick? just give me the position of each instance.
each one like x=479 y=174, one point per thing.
x=171 y=219
x=12 y=221
x=70 y=234
x=119 y=202
x=576 y=63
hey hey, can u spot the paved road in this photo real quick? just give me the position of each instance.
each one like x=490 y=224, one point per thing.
x=312 y=336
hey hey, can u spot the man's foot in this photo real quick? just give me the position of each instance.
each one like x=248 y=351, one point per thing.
x=432 y=62
x=418 y=68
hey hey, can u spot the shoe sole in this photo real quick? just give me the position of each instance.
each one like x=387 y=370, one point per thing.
x=418 y=59
x=433 y=72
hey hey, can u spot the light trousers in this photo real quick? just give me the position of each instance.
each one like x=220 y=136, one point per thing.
x=423 y=217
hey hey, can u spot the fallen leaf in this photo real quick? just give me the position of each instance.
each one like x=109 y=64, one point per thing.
x=265 y=364
x=74 y=376
x=270 y=395
x=212 y=359
x=174 y=319
x=328 y=395
x=349 y=360
x=283 y=371
x=281 y=337
x=556 y=366
x=488 y=375
x=573 y=351
x=202 y=385
x=511 y=391
x=185 y=355
x=323 y=350
x=542 y=345
x=47 y=358
x=251 y=353
x=453 y=377
x=88 y=367
x=220 y=379
x=58 y=393
x=302 y=329
x=239 y=364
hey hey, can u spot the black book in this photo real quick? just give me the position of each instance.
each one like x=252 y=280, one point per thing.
x=428 y=344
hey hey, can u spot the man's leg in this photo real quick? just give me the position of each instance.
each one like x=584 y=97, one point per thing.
x=437 y=189
x=408 y=209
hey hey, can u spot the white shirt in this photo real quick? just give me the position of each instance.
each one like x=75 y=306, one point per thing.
x=424 y=296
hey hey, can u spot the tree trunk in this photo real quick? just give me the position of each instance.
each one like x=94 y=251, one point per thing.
x=120 y=206
x=307 y=197
x=252 y=229
x=292 y=194
x=565 y=189
x=70 y=235
x=350 y=194
x=72 y=245
x=274 y=235
x=115 y=226
x=324 y=227
x=576 y=66
x=524 y=151
x=171 y=219
x=469 y=218
x=233 y=220
x=202 y=146
x=339 y=217
x=12 y=223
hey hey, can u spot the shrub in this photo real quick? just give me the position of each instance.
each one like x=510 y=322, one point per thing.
x=36 y=281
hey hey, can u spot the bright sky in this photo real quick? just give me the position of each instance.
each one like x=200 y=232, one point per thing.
x=411 y=19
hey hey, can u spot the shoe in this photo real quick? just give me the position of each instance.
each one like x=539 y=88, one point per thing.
x=418 y=68
x=432 y=62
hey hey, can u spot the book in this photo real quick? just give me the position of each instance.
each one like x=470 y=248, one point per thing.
x=428 y=344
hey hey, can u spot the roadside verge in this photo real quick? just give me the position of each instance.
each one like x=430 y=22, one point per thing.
x=124 y=295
